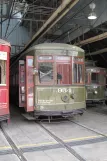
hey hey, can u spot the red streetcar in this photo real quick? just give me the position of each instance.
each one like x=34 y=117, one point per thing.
x=4 y=79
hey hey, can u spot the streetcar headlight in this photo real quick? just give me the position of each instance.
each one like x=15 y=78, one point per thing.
x=22 y=89
x=41 y=107
x=95 y=87
x=95 y=92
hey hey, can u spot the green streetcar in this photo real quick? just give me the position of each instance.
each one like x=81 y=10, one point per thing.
x=51 y=80
x=95 y=83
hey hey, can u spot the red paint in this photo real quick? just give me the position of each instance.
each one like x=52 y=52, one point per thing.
x=21 y=82
x=65 y=71
x=4 y=89
x=29 y=85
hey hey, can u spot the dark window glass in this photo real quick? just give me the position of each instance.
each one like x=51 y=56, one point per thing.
x=22 y=73
x=102 y=78
x=94 y=78
x=77 y=73
x=86 y=77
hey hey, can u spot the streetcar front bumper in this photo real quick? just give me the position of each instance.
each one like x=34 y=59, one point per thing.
x=59 y=113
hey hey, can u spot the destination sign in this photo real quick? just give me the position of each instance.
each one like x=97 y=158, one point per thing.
x=3 y=55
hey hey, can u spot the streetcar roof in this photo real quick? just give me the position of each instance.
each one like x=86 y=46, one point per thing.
x=3 y=42
x=55 y=46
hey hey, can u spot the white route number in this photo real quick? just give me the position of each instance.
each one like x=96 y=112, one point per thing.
x=65 y=90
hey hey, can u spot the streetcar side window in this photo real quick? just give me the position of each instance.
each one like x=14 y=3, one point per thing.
x=45 y=72
x=22 y=74
x=86 y=77
x=102 y=79
x=78 y=73
x=94 y=77
x=2 y=72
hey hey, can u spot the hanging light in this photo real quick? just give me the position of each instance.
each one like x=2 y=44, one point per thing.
x=92 y=15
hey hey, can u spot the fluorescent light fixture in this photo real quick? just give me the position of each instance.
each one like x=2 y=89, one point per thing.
x=92 y=16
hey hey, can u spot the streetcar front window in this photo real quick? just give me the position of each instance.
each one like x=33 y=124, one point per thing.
x=98 y=78
x=94 y=77
x=45 y=72
x=78 y=73
x=102 y=79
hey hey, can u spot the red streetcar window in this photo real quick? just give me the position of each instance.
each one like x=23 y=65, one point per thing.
x=2 y=72
x=63 y=73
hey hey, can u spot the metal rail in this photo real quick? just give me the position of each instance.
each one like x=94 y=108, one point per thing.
x=61 y=142
x=18 y=152
x=96 y=112
x=88 y=128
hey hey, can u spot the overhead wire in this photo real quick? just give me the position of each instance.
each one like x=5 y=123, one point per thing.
x=89 y=52
x=1 y=16
x=13 y=29
x=100 y=14
x=78 y=11
x=9 y=18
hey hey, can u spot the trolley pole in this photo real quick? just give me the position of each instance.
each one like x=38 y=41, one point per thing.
x=1 y=16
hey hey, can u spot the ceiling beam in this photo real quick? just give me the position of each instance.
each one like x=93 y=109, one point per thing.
x=56 y=16
x=92 y=39
x=61 y=11
x=97 y=52
x=25 y=19
x=101 y=29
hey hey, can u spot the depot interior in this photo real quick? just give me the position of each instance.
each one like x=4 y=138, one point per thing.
x=83 y=23
x=21 y=20
x=25 y=23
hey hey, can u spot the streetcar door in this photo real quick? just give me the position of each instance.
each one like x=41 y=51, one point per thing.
x=29 y=84
x=21 y=83
x=63 y=73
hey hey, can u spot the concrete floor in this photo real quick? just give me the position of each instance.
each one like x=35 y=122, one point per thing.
x=37 y=145
x=9 y=157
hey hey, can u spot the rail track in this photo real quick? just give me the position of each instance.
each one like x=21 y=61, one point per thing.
x=88 y=128
x=72 y=151
x=60 y=141
x=15 y=149
x=19 y=152
x=98 y=112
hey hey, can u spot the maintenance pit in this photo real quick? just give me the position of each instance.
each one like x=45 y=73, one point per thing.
x=79 y=138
